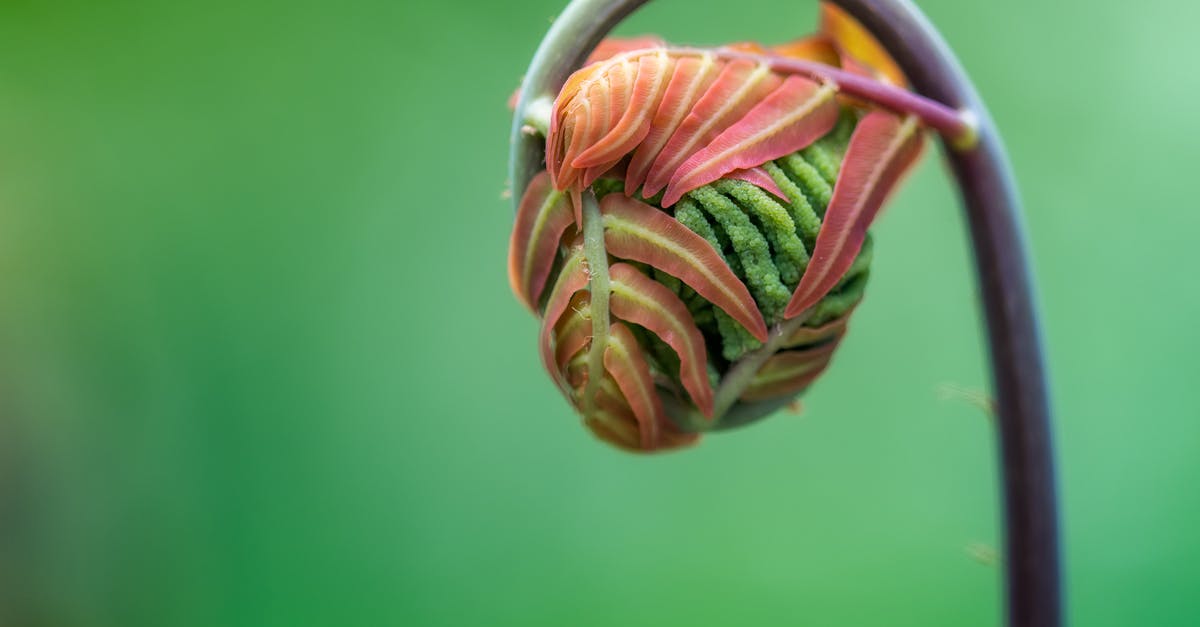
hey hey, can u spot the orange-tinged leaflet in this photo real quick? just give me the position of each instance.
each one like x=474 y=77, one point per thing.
x=542 y=217
x=865 y=52
x=881 y=150
x=572 y=279
x=640 y=232
x=653 y=72
x=644 y=301
x=689 y=81
x=573 y=332
x=815 y=48
x=623 y=360
x=794 y=115
x=738 y=88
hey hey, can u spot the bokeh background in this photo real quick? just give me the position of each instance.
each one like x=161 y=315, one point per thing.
x=259 y=364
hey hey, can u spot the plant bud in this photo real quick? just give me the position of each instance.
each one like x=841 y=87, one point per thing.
x=698 y=240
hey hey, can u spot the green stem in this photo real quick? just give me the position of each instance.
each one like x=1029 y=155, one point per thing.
x=597 y=262
x=743 y=372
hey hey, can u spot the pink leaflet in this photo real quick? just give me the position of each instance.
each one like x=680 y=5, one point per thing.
x=572 y=279
x=689 y=81
x=624 y=361
x=881 y=150
x=562 y=129
x=637 y=231
x=590 y=116
x=617 y=89
x=739 y=87
x=653 y=72
x=542 y=217
x=794 y=115
x=574 y=331
x=613 y=421
x=642 y=300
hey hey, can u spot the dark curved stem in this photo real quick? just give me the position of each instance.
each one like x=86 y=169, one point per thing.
x=1001 y=260
x=993 y=213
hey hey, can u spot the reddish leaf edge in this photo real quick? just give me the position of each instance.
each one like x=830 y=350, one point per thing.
x=883 y=147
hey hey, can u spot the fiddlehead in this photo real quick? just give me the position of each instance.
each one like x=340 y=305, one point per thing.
x=698 y=240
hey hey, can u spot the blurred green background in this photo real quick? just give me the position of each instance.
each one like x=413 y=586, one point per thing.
x=259 y=364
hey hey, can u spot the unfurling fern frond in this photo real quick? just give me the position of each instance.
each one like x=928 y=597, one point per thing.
x=698 y=240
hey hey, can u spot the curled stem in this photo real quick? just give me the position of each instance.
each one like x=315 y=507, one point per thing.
x=993 y=212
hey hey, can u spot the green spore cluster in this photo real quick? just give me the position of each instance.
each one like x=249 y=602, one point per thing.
x=768 y=241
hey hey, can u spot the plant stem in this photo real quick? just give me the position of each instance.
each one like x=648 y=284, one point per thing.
x=1001 y=259
x=598 y=286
